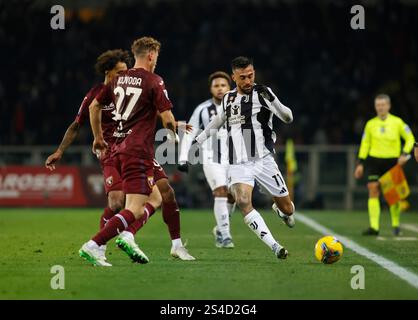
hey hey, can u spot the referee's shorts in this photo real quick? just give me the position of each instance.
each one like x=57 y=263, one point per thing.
x=377 y=167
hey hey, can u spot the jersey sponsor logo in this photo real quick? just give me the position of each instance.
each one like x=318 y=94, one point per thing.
x=161 y=83
x=382 y=129
x=109 y=107
x=117 y=134
x=236 y=117
x=407 y=129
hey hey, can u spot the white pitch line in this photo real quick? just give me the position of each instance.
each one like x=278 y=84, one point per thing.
x=410 y=227
x=389 y=265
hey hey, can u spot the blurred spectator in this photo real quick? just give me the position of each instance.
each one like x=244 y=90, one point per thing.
x=306 y=50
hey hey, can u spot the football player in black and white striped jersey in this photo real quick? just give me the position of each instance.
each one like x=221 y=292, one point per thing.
x=248 y=112
x=214 y=156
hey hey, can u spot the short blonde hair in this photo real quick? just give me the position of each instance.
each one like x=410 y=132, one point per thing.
x=144 y=45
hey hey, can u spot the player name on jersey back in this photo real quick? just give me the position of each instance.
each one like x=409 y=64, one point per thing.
x=134 y=81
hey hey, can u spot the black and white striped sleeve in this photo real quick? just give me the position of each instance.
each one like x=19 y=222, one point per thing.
x=279 y=109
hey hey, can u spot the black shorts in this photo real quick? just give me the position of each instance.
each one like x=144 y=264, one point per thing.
x=377 y=167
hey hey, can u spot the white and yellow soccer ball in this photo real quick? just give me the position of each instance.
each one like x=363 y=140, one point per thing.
x=328 y=250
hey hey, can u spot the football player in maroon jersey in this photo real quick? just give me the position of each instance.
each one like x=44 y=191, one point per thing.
x=139 y=94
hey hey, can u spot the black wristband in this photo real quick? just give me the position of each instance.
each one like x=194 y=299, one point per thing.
x=360 y=161
x=416 y=145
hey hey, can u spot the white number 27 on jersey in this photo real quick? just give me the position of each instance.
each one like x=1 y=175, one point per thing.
x=120 y=92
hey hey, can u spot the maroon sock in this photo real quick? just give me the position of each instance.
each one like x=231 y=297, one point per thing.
x=138 y=224
x=115 y=225
x=171 y=216
x=106 y=216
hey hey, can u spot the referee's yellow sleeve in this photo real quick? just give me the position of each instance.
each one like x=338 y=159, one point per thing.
x=365 y=143
x=408 y=136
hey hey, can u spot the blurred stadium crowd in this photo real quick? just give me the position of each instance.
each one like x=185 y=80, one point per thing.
x=306 y=51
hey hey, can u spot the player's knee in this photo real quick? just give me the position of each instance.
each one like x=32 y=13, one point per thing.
x=243 y=202
x=116 y=202
x=373 y=189
x=221 y=192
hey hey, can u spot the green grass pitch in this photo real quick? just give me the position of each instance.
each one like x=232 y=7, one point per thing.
x=34 y=240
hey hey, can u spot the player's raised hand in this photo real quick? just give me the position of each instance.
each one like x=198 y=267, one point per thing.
x=99 y=147
x=53 y=159
x=183 y=126
x=264 y=91
x=358 y=173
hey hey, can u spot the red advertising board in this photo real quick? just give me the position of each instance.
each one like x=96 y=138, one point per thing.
x=31 y=186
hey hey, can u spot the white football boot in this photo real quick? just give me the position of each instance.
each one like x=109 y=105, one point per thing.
x=91 y=252
x=288 y=220
x=181 y=253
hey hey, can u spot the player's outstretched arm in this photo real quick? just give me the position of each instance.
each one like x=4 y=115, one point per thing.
x=279 y=109
x=69 y=136
x=212 y=128
x=95 y=112
x=169 y=122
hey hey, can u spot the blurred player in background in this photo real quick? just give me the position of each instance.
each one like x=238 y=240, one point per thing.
x=380 y=150
x=139 y=95
x=214 y=155
x=248 y=112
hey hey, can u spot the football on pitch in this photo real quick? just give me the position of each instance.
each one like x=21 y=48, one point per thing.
x=328 y=250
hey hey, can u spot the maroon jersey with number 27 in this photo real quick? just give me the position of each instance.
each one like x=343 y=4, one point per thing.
x=138 y=95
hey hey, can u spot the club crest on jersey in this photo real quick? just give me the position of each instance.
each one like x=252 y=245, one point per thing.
x=151 y=182
x=109 y=180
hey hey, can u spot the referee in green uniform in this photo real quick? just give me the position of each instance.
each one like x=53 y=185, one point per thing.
x=380 y=150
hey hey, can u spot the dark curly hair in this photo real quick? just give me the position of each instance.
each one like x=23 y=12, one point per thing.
x=110 y=58
x=219 y=74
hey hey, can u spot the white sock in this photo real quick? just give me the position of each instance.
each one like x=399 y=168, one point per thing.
x=176 y=243
x=230 y=207
x=92 y=244
x=256 y=223
x=220 y=209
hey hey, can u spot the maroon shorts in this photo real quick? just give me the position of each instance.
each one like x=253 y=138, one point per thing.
x=159 y=172
x=111 y=176
x=137 y=174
